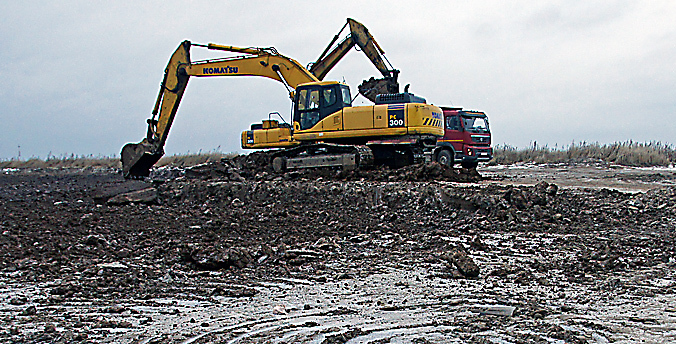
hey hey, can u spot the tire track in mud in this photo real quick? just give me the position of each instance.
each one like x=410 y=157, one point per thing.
x=410 y=305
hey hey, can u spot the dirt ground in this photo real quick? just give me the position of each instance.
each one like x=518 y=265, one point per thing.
x=225 y=253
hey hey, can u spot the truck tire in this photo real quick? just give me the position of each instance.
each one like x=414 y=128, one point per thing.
x=445 y=157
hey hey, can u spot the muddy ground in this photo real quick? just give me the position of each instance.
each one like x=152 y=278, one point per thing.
x=225 y=253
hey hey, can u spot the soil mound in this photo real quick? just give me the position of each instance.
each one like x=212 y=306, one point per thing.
x=257 y=166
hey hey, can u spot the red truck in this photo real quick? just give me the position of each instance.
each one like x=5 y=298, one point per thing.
x=467 y=138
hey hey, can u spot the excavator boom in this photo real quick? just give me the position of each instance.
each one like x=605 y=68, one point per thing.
x=359 y=36
x=137 y=158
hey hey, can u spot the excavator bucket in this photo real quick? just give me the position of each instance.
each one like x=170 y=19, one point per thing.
x=373 y=87
x=138 y=158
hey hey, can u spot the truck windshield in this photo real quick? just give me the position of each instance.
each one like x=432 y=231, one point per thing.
x=475 y=124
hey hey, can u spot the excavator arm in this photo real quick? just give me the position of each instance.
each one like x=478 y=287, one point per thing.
x=359 y=36
x=137 y=158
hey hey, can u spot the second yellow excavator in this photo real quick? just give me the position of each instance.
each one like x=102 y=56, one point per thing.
x=359 y=36
x=326 y=131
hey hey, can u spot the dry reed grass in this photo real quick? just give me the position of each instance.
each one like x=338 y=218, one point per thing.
x=621 y=153
x=179 y=160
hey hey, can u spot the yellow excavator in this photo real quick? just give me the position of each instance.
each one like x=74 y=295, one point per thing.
x=326 y=131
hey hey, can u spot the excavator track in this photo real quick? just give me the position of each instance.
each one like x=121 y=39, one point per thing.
x=418 y=155
x=319 y=155
x=365 y=156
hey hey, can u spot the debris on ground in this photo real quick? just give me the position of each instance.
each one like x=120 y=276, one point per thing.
x=323 y=255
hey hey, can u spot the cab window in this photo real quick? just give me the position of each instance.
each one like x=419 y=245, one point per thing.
x=308 y=108
x=452 y=123
x=302 y=98
x=313 y=102
x=347 y=98
x=317 y=102
x=329 y=96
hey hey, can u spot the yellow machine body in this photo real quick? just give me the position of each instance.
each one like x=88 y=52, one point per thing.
x=376 y=121
x=360 y=124
x=269 y=135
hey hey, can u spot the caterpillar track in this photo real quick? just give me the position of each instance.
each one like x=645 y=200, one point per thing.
x=348 y=157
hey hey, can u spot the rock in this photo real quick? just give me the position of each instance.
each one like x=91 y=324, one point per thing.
x=463 y=262
x=516 y=198
x=308 y=254
x=94 y=240
x=115 y=309
x=64 y=290
x=123 y=253
x=234 y=292
x=115 y=267
x=18 y=300
x=325 y=244
x=279 y=310
x=345 y=276
x=30 y=310
x=539 y=313
x=109 y=190
x=498 y=310
x=226 y=169
x=145 y=196
x=113 y=324
x=216 y=258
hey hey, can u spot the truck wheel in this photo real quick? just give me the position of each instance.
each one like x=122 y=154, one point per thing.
x=445 y=157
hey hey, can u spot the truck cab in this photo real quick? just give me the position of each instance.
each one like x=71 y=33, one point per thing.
x=466 y=140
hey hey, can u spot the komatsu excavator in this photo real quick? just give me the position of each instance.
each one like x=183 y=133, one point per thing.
x=326 y=129
x=359 y=36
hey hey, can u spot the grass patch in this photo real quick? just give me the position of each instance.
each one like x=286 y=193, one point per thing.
x=621 y=153
x=73 y=161
x=185 y=160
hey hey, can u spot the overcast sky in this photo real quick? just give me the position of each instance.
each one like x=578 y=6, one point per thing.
x=81 y=77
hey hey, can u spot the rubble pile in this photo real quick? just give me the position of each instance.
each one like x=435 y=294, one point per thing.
x=257 y=166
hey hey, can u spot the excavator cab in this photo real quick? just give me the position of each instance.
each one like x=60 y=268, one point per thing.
x=315 y=101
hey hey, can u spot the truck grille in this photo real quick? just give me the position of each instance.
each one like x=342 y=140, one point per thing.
x=481 y=139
